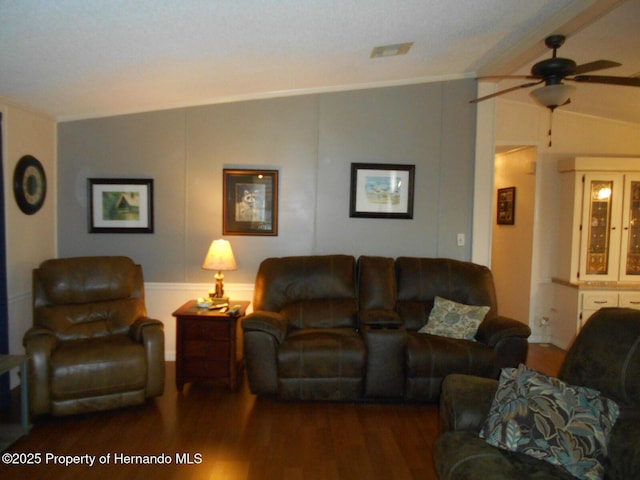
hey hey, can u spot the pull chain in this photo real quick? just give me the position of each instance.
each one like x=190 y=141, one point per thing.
x=550 y=125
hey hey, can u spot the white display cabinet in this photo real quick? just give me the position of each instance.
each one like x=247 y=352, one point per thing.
x=599 y=233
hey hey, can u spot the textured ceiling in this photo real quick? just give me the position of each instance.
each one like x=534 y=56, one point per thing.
x=89 y=58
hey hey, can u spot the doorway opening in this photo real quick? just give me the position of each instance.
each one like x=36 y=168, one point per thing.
x=512 y=242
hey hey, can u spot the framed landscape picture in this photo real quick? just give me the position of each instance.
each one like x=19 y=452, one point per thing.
x=119 y=205
x=381 y=190
x=250 y=202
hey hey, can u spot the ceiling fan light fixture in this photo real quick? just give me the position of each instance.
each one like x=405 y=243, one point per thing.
x=552 y=96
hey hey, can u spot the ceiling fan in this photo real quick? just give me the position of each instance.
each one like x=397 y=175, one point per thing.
x=553 y=71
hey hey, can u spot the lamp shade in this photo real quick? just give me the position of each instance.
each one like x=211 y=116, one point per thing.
x=220 y=257
x=552 y=96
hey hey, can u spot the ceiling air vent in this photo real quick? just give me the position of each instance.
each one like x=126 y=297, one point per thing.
x=391 y=50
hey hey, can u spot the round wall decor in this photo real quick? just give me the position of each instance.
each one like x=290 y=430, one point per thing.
x=29 y=184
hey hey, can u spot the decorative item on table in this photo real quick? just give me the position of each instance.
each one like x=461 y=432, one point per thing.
x=219 y=257
x=204 y=302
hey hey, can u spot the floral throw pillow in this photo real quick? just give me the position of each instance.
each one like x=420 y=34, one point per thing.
x=548 y=419
x=454 y=320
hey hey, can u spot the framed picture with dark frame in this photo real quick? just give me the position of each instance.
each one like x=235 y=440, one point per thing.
x=250 y=202
x=120 y=205
x=381 y=190
x=506 y=206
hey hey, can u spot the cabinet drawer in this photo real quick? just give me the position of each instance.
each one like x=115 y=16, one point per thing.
x=630 y=300
x=596 y=300
x=208 y=349
x=197 y=329
x=195 y=367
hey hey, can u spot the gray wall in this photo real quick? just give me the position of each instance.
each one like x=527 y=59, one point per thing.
x=311 y=140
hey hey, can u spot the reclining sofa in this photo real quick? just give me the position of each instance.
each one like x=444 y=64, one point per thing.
x=333 y=327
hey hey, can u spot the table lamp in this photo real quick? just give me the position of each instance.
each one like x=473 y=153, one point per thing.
x=219 y=257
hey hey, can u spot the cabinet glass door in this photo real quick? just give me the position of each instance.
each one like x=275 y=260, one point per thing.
x=598 y=228
x=631 y=230
x=601 y=222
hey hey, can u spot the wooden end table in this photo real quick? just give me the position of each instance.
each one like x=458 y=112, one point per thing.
x=208 y=344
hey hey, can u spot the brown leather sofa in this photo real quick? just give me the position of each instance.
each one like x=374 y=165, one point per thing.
x=396 y=299
x=328 y=327
x=92 y=346
x=605 y=356
x=301 y=341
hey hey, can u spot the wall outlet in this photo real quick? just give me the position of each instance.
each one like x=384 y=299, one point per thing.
x=460 y=239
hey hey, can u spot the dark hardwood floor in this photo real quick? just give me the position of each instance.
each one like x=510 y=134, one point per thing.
x=207 y=432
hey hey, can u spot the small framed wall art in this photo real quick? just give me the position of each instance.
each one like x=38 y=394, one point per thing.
x=381 y=190
x=250 y=202
x=506 y=206
x=118 y=205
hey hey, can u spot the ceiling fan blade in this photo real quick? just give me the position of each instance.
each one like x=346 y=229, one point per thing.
x=502 y=92
x=625 y=81
x=593 y=66
x=498 y=77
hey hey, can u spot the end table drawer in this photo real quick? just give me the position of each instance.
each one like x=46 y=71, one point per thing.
x=205 y=368
x=209 y=349
x=205 y=329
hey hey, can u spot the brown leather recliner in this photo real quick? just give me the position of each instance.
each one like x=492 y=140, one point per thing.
x=92 y=346
x=396 y=298
x=499 y=342
x=605 y=356
x=301 y=340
